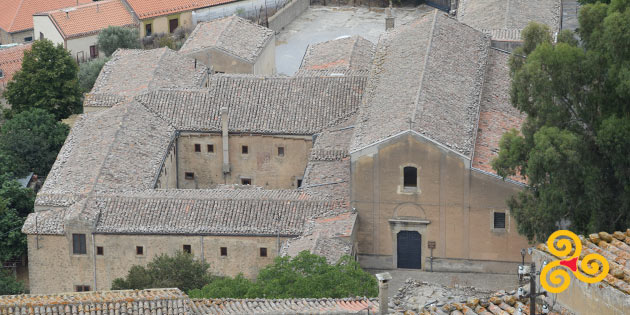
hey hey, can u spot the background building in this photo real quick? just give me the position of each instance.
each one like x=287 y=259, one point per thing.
x=77 y=28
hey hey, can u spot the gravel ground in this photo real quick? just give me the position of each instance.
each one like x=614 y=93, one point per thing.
x=481 y=281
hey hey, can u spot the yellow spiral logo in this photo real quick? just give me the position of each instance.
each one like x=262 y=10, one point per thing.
x=555 y=278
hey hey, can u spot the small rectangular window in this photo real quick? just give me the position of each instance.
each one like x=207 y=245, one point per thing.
x=245 y=149
x=246 y=181
x=139 y=250
x=299 y=183
x=78 y=244
x=147 y=29
x=499 y=220
x=189 y=175
x=187 y=249
x=99 y=250
x=263 y=252
x=410 y=174
x=197 y=147
x=93 y=52
x=223 y=251
x=210 y=148
x=280 y=151
x=172 y=25
x=28 y=39
x=81 y=288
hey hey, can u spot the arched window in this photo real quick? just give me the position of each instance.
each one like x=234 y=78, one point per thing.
x=411 y=177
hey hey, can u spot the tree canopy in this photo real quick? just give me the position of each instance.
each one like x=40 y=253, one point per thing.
x=304 y=276
x=47 y=80
x=181 y=271
x=114 y=37
x=574 y=147
x=9 y=285
x=30 y=142
x=89 y=71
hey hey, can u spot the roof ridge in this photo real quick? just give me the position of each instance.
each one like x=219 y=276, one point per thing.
x=412 y=119
x=15 y=16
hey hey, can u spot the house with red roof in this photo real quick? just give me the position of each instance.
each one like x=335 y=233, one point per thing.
x=10 y=63
x=77 y=28
x=16 y=17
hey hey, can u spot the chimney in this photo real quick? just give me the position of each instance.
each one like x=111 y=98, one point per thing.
x=224 y=136
x=383 y=287
x=389 y=19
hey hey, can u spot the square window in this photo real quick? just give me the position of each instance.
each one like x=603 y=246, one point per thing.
x=78 y=244
x=187 y=249
x=210 y=148
x=99 y=250
x=246 y=181
x=189 y=175
x=263 y=252
x=281 y=151
x=139 y=250
x=81 y=288
x=245 y=149
x=223 y=251
x=499 y=220
x=197 y=147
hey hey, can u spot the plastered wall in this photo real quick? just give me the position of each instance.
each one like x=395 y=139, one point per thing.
x=457 y=202
x=54 y=269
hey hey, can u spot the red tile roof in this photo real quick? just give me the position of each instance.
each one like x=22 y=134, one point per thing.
x=17 y=15
x=11 y=62
x=90 y=18
x=152 y=8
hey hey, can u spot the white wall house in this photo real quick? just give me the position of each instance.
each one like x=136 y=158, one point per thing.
x=77 y=28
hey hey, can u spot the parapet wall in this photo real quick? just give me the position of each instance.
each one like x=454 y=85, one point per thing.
x=287 y=14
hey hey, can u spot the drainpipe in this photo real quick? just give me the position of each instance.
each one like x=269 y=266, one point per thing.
x=94 y=260
x=224 y=135
x=383 y=288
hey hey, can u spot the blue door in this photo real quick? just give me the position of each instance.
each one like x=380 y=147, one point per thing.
x=409 y=250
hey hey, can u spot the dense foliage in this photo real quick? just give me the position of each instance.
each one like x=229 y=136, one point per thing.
x=9 y=285
x=30 y=142
x=181 y=271
x=574 y=148
x=304 y=276
x=88 y=72
x=114 y=37
x=47 y=80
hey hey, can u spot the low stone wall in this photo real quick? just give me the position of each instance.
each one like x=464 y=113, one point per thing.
x=466 y=265
x=355 y=3
x=287 y=14
x=584 y=298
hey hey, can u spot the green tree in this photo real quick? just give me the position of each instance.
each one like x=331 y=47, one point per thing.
x=20 y=199
x=32 y=139
x=304 y=276
x=9 y=285
x=12 y=241
x=47 y=80
x=88 y=72
x=574 y=145
x=181 y=271
x=114 y=37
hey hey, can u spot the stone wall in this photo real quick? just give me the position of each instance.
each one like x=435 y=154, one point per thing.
x=262 y=164
x=53 y=268
x=287 y=14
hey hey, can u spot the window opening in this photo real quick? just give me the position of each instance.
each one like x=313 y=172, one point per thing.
x=78 y=244
x=189 y=175
x=139 y=250
x=210 y=148
x=187 y=249
x=263 y=252
x=223 y=251
x=280 y=151
x=245 y=149
x=197 y=147
x=411 y=177
x=99 y=250
x=499 y=220
x=246 y=181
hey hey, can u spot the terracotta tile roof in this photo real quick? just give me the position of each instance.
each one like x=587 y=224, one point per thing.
x=286 y=306
x=233 y=34
x=506 y=19
x=11 y=62
x=89 y=19
x=145 y=9
x=496 y=114
x=427 y=77
x=615 y=248
x=132 y=72
x=152 y=301
x=271 y=105
x=343 y=54
x=17 y=15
